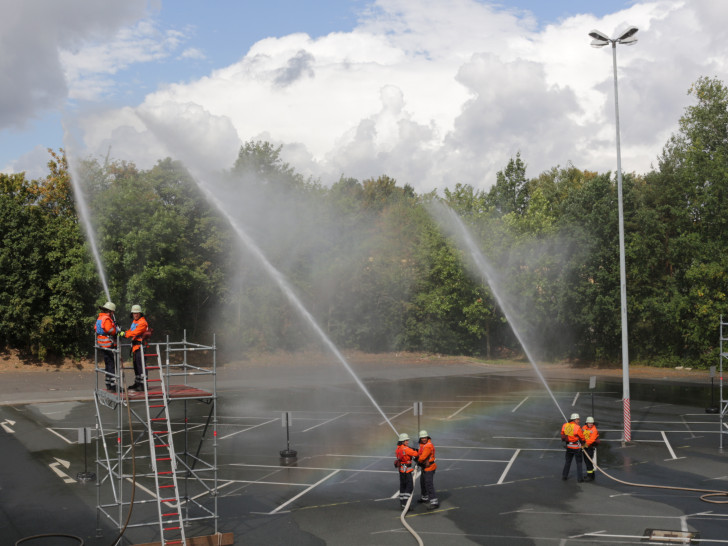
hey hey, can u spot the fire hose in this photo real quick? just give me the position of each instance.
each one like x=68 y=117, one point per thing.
x=708 y=492
x=406 y=508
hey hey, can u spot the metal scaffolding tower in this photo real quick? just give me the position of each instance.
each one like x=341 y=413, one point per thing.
x=723 y=363
x=152 y=470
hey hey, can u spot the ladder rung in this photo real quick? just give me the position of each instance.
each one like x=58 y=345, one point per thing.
x=158 y=419
x=173 y=542
x=169 y=514
x=170 y=499
x=166 y=486
x=152 y=367
x=157 y=406
x=150 y=354
x=151 y=380
x=165 y=472
x=161 y=445
x=164 y=458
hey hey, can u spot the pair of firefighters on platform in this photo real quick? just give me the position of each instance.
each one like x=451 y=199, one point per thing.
x=107 y=332
x=424 y=457
x=576 y=438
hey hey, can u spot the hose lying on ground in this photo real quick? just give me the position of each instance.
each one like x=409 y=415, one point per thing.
x=406 y=508
x=708 y=492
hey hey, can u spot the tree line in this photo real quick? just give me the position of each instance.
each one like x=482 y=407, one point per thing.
x=369 y=261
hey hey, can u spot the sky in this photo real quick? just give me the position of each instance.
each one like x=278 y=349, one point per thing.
x=429 y=92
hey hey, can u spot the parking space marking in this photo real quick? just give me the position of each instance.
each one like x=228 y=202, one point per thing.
x=302 y=493
x=508 y=466
x=61 y=436
x=394 y=416
x=576 y=397
x=667 y=443
x=327 y=421
x=249 y=428
x=458 y=411
x=519 y=405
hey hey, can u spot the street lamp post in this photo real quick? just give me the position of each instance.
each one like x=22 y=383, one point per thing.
x=600 y=40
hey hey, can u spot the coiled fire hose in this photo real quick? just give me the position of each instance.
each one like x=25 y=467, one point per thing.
x=708 y=492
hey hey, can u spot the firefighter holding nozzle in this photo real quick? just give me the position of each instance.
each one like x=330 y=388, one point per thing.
x=405 y=456
x=139 y=332
x=573 y=438
x=106 y=332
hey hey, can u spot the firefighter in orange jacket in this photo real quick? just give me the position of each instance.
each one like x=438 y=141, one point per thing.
x=572 y=434
x=106 y=332
x=426 y=460
x=138 y=332
x=591 y=441
x=404 y=454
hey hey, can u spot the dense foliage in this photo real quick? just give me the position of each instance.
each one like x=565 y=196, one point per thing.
x=369 y=261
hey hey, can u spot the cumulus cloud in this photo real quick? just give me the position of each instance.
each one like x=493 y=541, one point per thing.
x=33 y=35
x=433 y=93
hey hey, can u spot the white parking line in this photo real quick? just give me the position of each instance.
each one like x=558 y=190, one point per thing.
x=395 y=416
x=573 y=403
x=669 y=447
x=508 y=466
x=328 y=421
x=458 y=411
x=249 y=428
x=519 y=405
x=59 y=435
x=322 y=480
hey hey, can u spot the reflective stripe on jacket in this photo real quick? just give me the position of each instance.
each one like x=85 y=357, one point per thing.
x=426 y=456
x=404 y=457
x=136 y=332
x=572 y=433
x=106 y=331
x=591 y=435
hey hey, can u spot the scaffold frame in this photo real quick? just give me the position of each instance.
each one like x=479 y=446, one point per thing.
x=723 y=351
x=125 y=468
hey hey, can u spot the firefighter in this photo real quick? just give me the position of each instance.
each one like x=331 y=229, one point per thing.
x=572 y=434
x=405 y=454
x=426 y=460
x=106 y=332
x=139 y=333
x=591 y=441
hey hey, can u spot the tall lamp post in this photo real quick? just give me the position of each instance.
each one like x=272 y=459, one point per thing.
x=600 y=40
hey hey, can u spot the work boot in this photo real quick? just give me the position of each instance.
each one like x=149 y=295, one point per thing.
x=111 y=387
x=424 y=499
x=138 y=387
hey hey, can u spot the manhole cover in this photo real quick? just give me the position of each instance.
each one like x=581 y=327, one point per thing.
x=662 y=536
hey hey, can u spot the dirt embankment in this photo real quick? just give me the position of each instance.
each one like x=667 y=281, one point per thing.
x=11 y=361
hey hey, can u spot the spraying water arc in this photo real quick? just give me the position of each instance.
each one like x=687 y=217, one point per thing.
x=463 y=236
x=85 y=216
x=289 y=293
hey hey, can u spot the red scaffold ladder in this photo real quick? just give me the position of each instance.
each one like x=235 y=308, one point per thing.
x=164 y=463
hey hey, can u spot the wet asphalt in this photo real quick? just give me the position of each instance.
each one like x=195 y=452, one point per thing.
x=499 y=456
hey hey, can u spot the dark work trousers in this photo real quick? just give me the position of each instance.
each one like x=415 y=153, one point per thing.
x=406 y=486
x=570 y=454
x=589 y=465
x=110 y=364
x=139 y=371
x=427 y=486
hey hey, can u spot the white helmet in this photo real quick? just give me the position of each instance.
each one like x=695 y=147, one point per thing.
x=423 y=434
x=574 y=416
x=136 y=308
x=108 y=306
x=403 y=437
x=590 y=420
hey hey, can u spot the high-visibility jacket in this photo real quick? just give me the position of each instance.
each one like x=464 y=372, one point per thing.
x=574 y=436
x=136 y=332
x=404 y=457
x=106 y=331
x=591 y=435
x=426 y=456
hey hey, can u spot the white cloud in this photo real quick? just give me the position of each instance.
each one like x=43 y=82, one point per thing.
x=32 y=33
x=84 y=67
x=435 y=93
